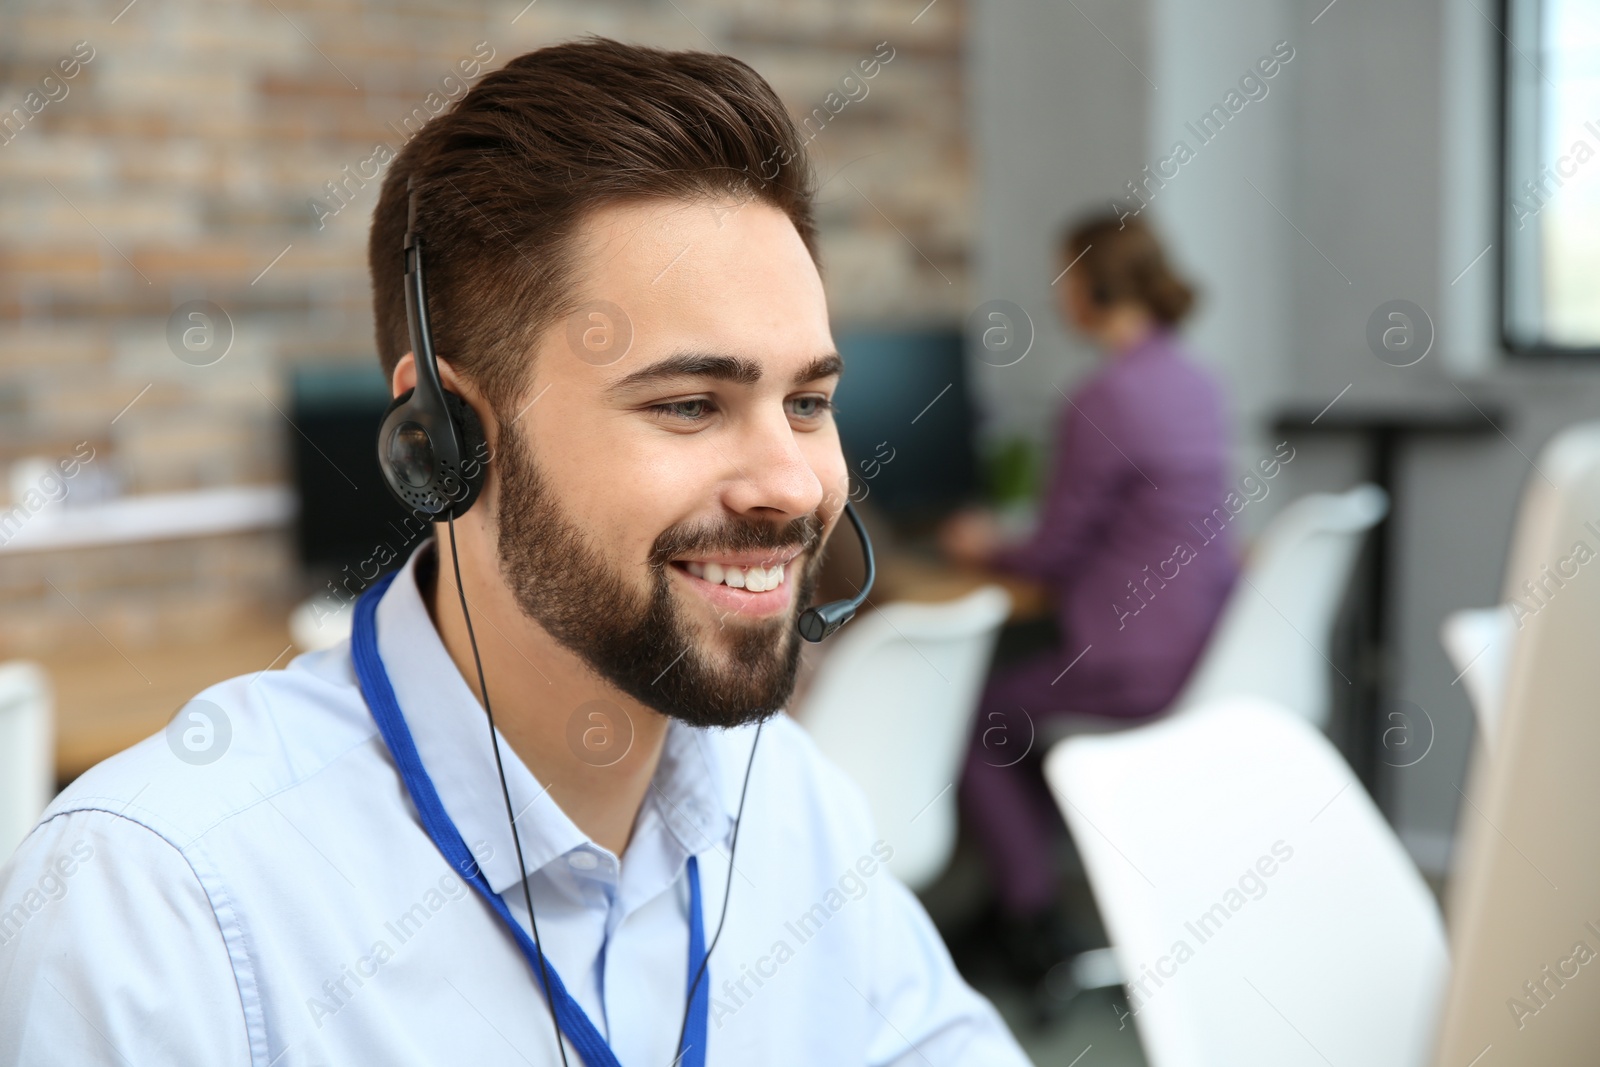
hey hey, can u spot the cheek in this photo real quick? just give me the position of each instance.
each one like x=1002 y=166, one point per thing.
x=617 y=496
x=628 y=505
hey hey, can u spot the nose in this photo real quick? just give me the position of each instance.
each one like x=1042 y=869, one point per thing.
x=773 y=478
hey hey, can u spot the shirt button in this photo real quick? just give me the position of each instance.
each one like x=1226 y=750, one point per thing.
x=583 y=861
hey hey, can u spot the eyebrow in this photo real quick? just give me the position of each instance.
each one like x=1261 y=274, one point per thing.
x=736 y=369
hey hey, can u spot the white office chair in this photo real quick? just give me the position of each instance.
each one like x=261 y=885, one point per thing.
x=1262 y=909
x=1274 y=635
x=1526 y=872
x=1478 y=642
x=27 y=751
x=1272 y=641
x=893 y=705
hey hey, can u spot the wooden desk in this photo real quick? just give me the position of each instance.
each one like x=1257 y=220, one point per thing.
x=909 y=576
x=105 y=703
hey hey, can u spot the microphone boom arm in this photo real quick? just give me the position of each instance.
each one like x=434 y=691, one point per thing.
x=818 y=622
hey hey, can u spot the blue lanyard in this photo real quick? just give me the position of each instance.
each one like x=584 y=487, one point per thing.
x=570 y=1016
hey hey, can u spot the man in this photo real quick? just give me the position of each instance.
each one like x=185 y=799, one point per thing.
x=622 y=284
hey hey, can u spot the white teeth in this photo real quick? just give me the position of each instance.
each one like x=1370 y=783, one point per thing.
x=755 y=579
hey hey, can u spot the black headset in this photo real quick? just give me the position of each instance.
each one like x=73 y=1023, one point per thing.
x=434 y=458
x=431 y=446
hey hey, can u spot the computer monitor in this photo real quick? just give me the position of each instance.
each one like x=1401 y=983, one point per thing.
x=346 y=512
x=905 y=420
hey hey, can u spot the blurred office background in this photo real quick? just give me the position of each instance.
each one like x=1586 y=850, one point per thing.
x=221 y=160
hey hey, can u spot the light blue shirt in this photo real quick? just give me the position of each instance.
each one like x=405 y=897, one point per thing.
x=254 y=887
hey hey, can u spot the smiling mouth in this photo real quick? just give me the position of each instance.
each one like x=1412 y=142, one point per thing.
x=753 y=578
x=752 y=583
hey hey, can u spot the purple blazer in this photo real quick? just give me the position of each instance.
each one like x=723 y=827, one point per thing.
x=1132 y=537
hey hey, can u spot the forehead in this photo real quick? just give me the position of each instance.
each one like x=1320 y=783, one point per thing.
x=721 y=275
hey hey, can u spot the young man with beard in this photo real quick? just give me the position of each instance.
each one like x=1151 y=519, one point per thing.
x=319 y=867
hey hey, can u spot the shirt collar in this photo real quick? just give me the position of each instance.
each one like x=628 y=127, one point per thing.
x=692 y=791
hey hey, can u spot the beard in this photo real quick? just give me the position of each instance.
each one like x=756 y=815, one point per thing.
x=645 y=642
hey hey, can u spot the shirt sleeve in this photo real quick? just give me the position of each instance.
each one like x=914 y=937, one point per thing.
x=1088 y=475
x=111 y=954
x=925 y=1011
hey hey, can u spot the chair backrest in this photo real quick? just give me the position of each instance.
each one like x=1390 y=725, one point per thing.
x=1261 y=909
x=1525 y=893
x=1275 y=633
x=1479 y=642
x=1559 y=472
x=27 y=751
x=893 y=705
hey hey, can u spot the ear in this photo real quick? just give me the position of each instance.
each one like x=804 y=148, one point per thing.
x=404 y=376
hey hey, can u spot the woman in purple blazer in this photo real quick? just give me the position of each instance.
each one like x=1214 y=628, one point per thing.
x=1129 y=544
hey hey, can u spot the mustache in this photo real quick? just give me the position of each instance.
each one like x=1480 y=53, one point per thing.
x=804 y=534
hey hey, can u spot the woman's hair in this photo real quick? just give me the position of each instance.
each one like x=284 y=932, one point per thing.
x=1121 y=260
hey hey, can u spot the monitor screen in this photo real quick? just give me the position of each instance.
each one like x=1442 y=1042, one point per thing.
x=346 y=512
x=906 y=421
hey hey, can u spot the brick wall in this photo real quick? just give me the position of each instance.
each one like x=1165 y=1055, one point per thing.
x=175 y=154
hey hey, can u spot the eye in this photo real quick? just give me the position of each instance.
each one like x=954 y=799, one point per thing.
x=695 y=409
x=811 y=407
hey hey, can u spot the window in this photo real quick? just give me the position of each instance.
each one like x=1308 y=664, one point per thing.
x=1551 y=265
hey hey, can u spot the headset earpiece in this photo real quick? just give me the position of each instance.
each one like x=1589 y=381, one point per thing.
x=431 y=447
x=434 y=461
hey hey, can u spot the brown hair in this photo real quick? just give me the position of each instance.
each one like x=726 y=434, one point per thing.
x=1122 y=260
x=506 y=176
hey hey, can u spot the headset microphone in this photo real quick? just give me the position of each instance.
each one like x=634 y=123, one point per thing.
x=820 y=621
